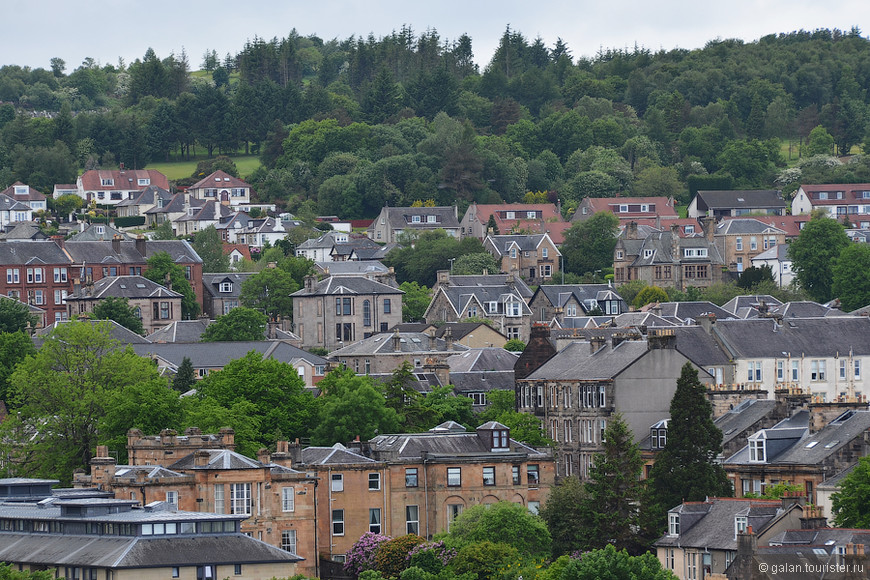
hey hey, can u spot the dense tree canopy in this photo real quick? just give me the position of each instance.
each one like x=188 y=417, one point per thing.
x=15 y=316
x=850 y=506
x=240 y=323
x=814 y=253
x=70 y=388
x=119 y=310
x=163 y=270
x=851 y=277
x=589 y=244
x=502 y=522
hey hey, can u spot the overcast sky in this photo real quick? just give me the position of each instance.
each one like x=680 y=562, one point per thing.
x=107 y=29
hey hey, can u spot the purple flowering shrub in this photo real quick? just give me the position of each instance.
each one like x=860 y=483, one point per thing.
x=361 y=556
x=431 y=556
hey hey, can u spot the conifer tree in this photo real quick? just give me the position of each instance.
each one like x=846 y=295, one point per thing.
x=614 y=489
x=184 y=377
x=686 y=469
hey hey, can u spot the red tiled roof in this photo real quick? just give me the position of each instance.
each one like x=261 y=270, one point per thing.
x=219 y=179
x=31 y=195
x=124 y=179
x=852 y=192
x=243 y=249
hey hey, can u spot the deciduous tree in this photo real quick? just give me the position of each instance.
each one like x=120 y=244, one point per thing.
x=350 y=406
x=415 y=301
x=240 y=323
x=813 y=254
x=850 y=505
x=503 y=522
x=64 y=393
x=208 y=245
x=589 y=244
x=15 y=316
x=851 y=277
x=270 y=292
x=119 y=310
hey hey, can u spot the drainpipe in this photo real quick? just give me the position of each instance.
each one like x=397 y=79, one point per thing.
x=426 y=490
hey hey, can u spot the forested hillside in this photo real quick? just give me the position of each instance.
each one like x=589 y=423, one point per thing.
x=343 y=127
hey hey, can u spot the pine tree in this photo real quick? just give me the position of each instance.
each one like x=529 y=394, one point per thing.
x=614 y=489
x=184 y=377
x=686 y=469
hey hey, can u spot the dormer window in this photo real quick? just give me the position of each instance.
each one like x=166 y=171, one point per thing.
x=673 y=524
x=647 y=253
x=144 y=181
x=510 y=215
x=500 y=439
x=741 y=523
x=695 y=253
x=20 y=190
x=623 y=208
x=658 y=435
x=226 y=287
x=430 y=219
x=689 y=229
x=757 y=450
x=107 y=182
x=415 y=219
x=531 y=215
x=513 y=309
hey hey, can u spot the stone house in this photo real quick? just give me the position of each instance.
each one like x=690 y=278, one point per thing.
x=156 y=305
x=534 y=257
x=665 y=259
x=514 y=218
x=392 y=222
x=340 y=310
x=741 y=240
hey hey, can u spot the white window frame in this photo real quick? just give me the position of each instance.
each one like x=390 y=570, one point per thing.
x=673 y=524
x=454 y=477
x=219 y=499
x=338 y=522
x=374 y=481
x=412 y=519
x=240 y=498
x=288 y=540
x=288 y=499
x=757 y=450
x=336 y=482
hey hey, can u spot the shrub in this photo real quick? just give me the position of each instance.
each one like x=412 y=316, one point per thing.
x=431 y=556
x=392 y=556
x=485 y=559
x=361 y=556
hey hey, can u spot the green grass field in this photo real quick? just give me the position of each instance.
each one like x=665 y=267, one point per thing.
x=247 y=164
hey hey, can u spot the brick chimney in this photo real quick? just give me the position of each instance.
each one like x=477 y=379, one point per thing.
x=596 y=342
x=284 y=454
x=102 y=467
x=141 y=245
x=813 y=518
x=228 y=438
x=433 y=343
x=661 y=338
x=448 y=338
x=709 y=226
x=631 y=231
x=397 y=341
x=263 y=456
x=116 y=244
x=200 y=458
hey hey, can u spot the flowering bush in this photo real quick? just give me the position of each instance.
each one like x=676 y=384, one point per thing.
x=431 y=556
x=391 y=556
x=361 y=556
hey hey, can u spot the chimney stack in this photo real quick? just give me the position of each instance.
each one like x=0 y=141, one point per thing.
x=140 y=245
x=116 y=244
x=397 y=341
x=448 y=338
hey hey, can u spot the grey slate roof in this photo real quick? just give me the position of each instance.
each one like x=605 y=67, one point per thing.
x=218 y=459
x=817 y=337
x=180 y=331
x=711 y=524
x=747 y=306
x=148 y=196
x=735 y=422
x=218 y=354
x=700 y=347
x=680 y=312
x=138 y=552
x=806 y=309
x=24 y=231
x=383 y=343
x=482 y=369
x=400 y=217
x=124 y=287
x=517 y=284
x=98 y=232
x=35 y=253
x=338 y=454
x=637 y=319
x=738 y=226
x=351 y=268
x=742 y=199
x=558 y=295
x=116 y=331
x=347 y=285
x=576 y=361
x=444 y=442
x=524 y=243
x=101 y=252
x=211 y=283
x=583 y=321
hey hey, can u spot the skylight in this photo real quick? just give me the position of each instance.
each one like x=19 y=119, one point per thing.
x=811 y=444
